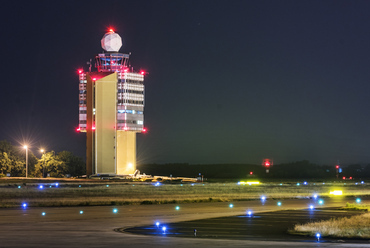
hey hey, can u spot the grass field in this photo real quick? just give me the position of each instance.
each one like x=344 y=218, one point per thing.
x=357 y=226
x=99 y=192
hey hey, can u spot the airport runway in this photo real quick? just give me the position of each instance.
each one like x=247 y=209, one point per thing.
x=94 y=227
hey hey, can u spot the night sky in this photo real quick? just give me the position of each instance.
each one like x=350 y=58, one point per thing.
x=229 y=81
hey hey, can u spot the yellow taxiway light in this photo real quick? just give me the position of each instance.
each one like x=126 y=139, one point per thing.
x=248 y=182
x=336 y=192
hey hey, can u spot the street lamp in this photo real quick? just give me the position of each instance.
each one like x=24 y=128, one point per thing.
x=43 y=165
x=25 y=147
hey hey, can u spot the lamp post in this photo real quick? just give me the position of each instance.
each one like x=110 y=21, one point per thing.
x=43 y=164
x=25 y=147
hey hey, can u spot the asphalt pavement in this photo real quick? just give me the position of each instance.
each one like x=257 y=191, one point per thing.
x=95 y=226
x=267 y=226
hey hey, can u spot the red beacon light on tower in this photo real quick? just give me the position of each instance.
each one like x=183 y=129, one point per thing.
x=337 y=170
x=267 y=163
x=80 y=71
x=144 y=130
x=111 y=30
x=142 y=72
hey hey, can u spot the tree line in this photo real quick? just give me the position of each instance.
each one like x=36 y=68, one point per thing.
x=294 y=170
x=61 y=164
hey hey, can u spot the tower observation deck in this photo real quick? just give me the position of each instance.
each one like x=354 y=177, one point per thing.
x=111 y=110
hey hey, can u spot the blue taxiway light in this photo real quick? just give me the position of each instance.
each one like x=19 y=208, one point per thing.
x=318 y=235
x=19 y=187
x=315 y=196
x=321 y=202
x=164 y=229
x=263 y=198
x=312 y=207
x=298 y=184
x=249 y=213
x=305 y=183
x=24 y=205
x=41 y=187
x=57 y=184
x=157 y=224
x=362 y=182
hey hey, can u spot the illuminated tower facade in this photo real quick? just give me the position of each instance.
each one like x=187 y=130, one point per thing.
x=111 y=110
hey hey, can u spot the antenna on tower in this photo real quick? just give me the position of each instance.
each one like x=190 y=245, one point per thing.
x=337 y=167
x=89 y=63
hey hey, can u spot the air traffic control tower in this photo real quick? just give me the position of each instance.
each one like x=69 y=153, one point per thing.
x=111 y=110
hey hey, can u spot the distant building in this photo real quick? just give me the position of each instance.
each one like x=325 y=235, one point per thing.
x=111 y=110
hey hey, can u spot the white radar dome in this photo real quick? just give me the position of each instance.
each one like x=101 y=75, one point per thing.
x=111 y=42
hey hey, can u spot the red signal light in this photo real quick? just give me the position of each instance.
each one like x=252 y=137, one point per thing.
x=93 y=128
x=142 y=72
x=337 y=166
x=144 y=130
x=78 y=129
x=267 y=164
x=344 y=178
x=251 y=173
x=111 y=30
x=350 y=178
x=80 y=71
x=94 y=79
